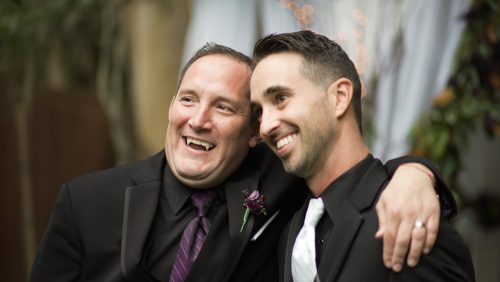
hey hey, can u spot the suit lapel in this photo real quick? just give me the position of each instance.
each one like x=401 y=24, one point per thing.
x=339 y=242
x=227 y=246
x=234 y=196
x=349 y=218
x=238 y=240
x=141 y=202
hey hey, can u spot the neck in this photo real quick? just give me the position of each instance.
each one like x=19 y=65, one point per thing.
x=349 y=149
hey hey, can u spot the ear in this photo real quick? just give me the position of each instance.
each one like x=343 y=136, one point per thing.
x=255 y=135
x=341 y=92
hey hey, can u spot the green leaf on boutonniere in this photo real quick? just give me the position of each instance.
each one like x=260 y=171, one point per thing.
x=253 y=203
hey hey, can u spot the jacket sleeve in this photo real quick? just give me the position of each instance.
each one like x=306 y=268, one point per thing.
x=449 y=260
x=59 y=256
x=448 y=204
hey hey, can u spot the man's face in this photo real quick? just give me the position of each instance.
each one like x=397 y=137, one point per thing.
x=209 y=125
x=297 y=118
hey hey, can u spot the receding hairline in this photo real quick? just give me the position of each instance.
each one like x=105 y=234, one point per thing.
x=211 y=48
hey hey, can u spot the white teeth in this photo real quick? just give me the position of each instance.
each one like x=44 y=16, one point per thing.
x=285 y=141
x=207 y=145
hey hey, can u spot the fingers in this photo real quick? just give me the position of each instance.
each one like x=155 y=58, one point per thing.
x=401 y=245
x=380 y=233
x=381 y=220
x=408 y=197
x=388 y=230
x=422 y=236
x=432 y=227
x=418 y=240
x=388 y=250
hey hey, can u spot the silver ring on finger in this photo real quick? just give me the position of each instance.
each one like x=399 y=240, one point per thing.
x=419 y=224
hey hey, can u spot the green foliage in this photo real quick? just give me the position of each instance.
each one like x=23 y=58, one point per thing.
x=471 y=99
x=29 y=27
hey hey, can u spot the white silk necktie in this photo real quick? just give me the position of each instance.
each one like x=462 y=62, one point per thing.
x=304 y=250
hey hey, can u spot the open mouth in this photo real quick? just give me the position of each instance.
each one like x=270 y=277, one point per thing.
x=199 y=144
x=285 y=141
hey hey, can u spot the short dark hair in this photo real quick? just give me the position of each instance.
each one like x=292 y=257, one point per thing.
x=324 y=60
x=211 y=48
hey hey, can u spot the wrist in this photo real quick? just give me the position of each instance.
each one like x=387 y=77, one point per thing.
x=423 y=169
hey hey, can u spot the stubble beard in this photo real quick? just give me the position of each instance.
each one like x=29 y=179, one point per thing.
x=309 y=158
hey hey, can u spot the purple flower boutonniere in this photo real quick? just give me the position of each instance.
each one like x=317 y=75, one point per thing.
x=254 y=203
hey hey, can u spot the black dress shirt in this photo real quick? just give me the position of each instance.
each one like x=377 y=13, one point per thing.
x=174 y=213
x=333 y=197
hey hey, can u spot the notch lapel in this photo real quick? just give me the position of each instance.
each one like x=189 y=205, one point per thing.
x=236 y=211
x=339 y=243
x=349 y=219
x=223 y=251
x=139 y=210
x=141 y=202
x=234 y=196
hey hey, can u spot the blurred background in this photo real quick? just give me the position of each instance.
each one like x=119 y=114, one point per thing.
x=86 y=85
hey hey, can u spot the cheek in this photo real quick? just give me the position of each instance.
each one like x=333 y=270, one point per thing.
x=234 y=132
x=239 y=141
x=177 y=116
x=238 y=131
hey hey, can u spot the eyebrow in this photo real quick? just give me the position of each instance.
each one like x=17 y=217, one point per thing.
x=273 y=90
x=187 y=91
x=237 y=105
x=222 y=98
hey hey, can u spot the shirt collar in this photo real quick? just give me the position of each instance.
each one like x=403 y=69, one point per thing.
x=340 y=188
x=177 y=194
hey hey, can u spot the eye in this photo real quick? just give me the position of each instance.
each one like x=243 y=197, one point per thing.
x=280 y=98
x=225 y=108
x=186 y=100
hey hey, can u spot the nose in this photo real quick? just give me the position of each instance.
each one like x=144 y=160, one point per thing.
x=201 y=119
x=269 y=124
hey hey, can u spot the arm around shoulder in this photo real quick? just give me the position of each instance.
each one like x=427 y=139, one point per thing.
x=410 y=197
x=449 y=260
x=448 y=204
x=59 y=256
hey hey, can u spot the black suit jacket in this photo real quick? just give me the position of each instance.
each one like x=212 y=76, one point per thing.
x=352 y=253
x=101 y=222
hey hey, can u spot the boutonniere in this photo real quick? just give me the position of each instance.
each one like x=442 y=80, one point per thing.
x=253 y=203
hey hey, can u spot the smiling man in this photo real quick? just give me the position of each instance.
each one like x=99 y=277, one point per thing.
x=309 y=95
x=179 y=215
x=213 y=122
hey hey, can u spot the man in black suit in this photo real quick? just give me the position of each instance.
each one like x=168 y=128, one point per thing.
x=308 y=93
x=126 y=223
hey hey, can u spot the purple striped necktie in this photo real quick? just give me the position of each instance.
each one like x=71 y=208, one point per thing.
x=194 y=236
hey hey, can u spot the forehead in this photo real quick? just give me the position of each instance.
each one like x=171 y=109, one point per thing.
x=277 y=70
x=285 y=62
x=217 y=73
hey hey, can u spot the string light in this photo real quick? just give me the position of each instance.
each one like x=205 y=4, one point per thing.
x=302 y=12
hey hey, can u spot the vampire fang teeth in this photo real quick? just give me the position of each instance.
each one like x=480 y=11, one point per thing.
x=207 y=145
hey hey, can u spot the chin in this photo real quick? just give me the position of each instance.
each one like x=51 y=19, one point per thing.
x=195 y=183
x=294 y=169
x=290 y=169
